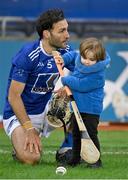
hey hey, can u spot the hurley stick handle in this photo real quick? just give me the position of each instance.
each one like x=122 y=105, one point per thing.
x=55 y=54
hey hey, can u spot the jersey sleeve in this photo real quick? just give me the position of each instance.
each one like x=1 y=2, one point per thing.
x=69 y=60
x=21 y=67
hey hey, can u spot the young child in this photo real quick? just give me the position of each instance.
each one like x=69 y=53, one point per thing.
x=87 y=85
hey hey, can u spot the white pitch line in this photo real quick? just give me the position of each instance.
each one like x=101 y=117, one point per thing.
x=4 y=151
x=54 y=152
x=115 y=153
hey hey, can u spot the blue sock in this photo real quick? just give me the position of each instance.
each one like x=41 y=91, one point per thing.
x=68 y=142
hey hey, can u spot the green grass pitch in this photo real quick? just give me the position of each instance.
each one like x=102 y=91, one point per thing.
x=114 y=146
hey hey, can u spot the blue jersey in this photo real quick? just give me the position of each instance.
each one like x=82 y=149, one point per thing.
x=34 y=67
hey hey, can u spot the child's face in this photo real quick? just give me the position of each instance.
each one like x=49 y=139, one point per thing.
x=89 y=59
x=87 y=62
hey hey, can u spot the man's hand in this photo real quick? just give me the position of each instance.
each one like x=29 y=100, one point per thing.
x=32 y=141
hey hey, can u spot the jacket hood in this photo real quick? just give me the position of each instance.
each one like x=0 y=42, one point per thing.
x=93 y=68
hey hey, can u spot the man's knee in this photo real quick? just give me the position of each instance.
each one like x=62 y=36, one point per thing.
x=25 y=156
x=29 y=158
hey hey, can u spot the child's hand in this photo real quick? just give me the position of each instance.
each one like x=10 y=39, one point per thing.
x=59 y=60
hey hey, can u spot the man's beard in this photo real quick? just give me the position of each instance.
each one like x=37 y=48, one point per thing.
x=55 y=45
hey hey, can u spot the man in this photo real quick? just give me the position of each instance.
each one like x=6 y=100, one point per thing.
x=31 y=81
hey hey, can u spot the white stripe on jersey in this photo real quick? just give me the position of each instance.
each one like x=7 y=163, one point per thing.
x=35 y=57
x=34 y=54
x=34 y=51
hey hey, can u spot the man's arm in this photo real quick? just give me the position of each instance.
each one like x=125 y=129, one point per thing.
x=14 y=97
x=32 y=138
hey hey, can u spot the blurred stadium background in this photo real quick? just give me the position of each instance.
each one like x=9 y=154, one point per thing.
x=107 y=20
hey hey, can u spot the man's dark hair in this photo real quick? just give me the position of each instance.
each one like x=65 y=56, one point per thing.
x=47 y=19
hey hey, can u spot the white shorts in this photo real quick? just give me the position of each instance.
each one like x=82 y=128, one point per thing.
x=39 y=122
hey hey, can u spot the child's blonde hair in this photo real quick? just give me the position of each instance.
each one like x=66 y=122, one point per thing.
x=92 y=49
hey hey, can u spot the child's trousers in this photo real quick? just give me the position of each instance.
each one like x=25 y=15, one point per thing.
x=91 y=122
